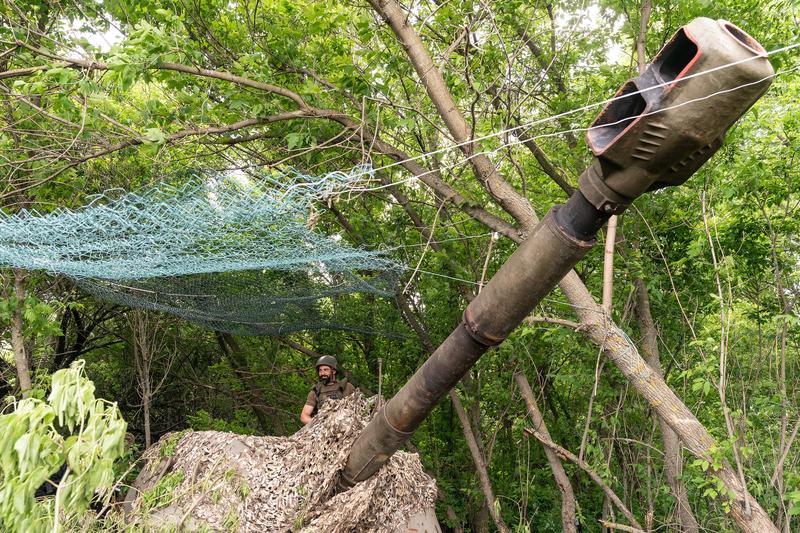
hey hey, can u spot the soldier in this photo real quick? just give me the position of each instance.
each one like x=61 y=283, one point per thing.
x=328 y=388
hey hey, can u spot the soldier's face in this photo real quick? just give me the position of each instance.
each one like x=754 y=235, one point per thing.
x=325 y=373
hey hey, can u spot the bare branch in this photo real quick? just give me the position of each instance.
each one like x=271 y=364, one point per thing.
x=175 y=67
x=22 y=72
x=213 y=130
x=568 y=504
x=559 y=321
x=545 y=164
x=509 y=199
x=620 y=527
x=569 y=456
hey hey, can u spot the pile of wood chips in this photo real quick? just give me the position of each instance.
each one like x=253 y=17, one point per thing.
x=245 y=483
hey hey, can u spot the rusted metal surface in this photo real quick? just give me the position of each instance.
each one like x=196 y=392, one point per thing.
x=642 y=142
x=525 y=278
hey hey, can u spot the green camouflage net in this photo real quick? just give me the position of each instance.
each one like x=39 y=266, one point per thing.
x=228 y=252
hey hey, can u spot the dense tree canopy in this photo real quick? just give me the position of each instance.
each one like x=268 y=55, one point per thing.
x=129 y=94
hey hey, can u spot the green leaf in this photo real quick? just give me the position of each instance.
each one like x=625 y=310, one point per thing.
x=294 y=140
x=154 y=136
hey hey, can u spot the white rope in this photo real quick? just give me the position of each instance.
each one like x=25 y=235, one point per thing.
x=556 y=133
x=422 y=244
x=590 y=106
x=552 y=118
x=543 y=300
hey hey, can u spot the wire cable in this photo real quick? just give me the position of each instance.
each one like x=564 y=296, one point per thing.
x=590 y=106
x=552 y=134
x=552 y=118
x=372 y=170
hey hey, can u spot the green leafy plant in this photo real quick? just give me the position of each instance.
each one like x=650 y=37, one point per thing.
x=162 y=493
x=72 y=428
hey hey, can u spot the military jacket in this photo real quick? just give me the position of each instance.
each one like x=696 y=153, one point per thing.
x=332 y=391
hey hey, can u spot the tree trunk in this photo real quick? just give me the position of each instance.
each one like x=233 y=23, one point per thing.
x=571 y=457
x=433 y=81
x=236 y=358
x=786 y=308
x=645 y=10
x=17 y=336
x=673 y=459
x=480 y=464
x=142 y=362
x=619 y=348
x=453 y=518
x=148 y=439
x=569 y=521
x=473 y=410
x=608 y=265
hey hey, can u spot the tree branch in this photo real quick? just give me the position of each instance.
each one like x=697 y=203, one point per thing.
x=175 y=67
x=506 y=196
x=544 y=163
x=620 y=527
x=568 y=504
x=569 y=456
x=431 y=178
x=22 y=72
x=559 y=321
x=211 y=130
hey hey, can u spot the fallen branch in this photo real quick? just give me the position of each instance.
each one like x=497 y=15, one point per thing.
x=557 y=321
x=619 y=527
x=569 y=456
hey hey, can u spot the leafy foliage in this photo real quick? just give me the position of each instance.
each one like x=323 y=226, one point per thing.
x=72 y=428
x=725 y=322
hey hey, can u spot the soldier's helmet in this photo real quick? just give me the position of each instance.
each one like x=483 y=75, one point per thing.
x=328 y=360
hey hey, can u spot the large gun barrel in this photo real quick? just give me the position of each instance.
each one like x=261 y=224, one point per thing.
x=660 y=129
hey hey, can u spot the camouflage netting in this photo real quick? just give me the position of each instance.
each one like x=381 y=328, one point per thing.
x=226 y=251
x=269 y=484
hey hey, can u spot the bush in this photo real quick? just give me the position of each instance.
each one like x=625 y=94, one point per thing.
x=71 y=428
